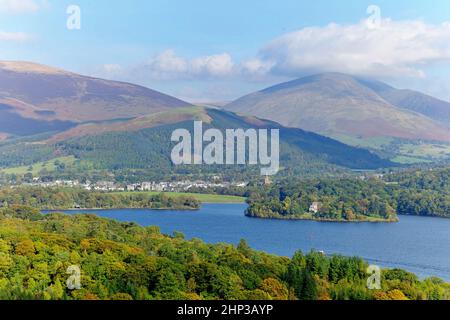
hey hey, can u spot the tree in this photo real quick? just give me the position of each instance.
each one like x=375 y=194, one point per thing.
x=121 y=297
x=25 y=248
x=308 y=290
x=275 y=289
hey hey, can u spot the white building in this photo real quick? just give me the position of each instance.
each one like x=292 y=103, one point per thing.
x=315 y=207
x=147 y=186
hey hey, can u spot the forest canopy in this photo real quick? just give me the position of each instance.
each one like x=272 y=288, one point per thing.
x=123 y=261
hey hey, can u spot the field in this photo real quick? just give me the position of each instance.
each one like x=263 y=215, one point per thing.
x=36 y=168
x=427 y=152
x=377 y=143
x=401 y=151
x=204 y=198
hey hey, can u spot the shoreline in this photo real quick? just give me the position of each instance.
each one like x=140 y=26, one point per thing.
x=285 y=218
x=105 y=209
x=328 y=220
x=281 y=218
x=155 y=209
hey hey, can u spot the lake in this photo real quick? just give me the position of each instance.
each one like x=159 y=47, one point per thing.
x=418 y=244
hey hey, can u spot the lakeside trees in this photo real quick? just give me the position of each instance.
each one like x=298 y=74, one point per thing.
x=69 y=198
x=425 y=193
x=123 y=261
x=340 y=200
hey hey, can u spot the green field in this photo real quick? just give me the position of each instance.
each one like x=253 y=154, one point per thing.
x=401 y=151
x=204 y=198
x=377 y=143
x=36 y=168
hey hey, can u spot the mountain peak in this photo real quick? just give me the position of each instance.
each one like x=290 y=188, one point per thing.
x=337 y=105
x=31 y=91
x=334 y=79
x=31 y=67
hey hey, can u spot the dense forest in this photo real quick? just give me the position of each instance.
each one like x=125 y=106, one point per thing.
x=123 y=261
x=425 y=193
x=70 y=198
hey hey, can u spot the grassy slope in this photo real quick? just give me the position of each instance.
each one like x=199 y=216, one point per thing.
x=425 y=152
x=404 y=152
x=38 y=167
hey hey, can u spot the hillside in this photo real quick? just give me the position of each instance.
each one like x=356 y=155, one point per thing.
x=36 y=98
x=340 y=105
x=144 y=144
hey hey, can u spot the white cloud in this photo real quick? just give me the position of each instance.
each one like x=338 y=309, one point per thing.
x=20 y=6
x=14 y=36
x=168 y=61
x=216 y=65
x=256 y=67
x=401 y=52
x=394 y=49
x=168 y=65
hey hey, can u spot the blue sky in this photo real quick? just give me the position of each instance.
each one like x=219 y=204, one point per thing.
x=218 y=50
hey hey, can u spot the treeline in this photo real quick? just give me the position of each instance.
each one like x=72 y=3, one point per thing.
x=123 y=261
x=70 y=198
x=425 y=193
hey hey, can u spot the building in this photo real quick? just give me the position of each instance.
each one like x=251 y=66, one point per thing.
x=131 y=187
x=315 y=207
x=146 y=186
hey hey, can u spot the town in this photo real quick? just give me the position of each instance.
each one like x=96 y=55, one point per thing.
x=111 y=186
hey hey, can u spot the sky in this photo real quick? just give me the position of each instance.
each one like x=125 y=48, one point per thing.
x=213 y=51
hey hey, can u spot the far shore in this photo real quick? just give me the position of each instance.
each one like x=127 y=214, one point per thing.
x=202 y=197
x=105 y=209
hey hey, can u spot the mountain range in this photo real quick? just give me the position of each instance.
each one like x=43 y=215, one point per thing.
x=48 y=113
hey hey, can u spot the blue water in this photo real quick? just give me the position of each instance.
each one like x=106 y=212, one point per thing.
x=418 y=244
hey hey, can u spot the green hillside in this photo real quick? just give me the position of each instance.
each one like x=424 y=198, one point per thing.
x=125 y=145
x=48 y=166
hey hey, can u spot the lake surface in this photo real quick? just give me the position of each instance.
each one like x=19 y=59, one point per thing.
x=418 y=244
